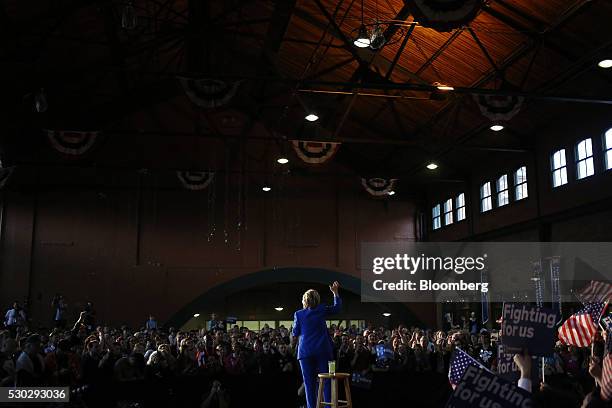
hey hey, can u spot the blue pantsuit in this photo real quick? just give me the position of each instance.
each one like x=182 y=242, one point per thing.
x=315 y=346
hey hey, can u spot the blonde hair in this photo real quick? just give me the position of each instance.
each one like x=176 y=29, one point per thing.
x=311 y=299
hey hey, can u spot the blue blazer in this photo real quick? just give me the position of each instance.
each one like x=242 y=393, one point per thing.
x=309 y=325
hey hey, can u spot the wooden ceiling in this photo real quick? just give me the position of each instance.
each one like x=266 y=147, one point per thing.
x=295 y=56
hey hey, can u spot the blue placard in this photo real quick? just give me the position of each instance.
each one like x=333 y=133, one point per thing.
x=479 y=388
x=509 y=371
x=528 y=327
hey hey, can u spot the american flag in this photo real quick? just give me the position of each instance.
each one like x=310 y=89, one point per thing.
x=606 y=374
x=579 y=329
x=459 y=363
x=595 y=292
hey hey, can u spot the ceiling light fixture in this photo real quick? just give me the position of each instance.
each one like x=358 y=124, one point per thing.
x=442 y=87
x=196 y=315
x=391 y=192
x=386 y=314
x=266 y=188
x=363 y=39
x=432 y=166
x=607 y=63
x=279 y=309
x=312 y=117
x=282 y=160
x=497 y=127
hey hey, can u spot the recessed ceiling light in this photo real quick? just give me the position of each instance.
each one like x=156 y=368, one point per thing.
x=386 y=314
x=432 y=166
x=279 y=309
x=391 y=192
x=266 y=188
x=607 y=63
x=445 y=87
x=283 y=160
x=196 y=315
x=497 y=127
x=312 y=117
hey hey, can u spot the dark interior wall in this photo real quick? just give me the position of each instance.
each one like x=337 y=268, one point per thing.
x=578 y=211
x=137 y=250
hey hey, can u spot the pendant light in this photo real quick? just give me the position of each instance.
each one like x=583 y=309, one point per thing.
x=363 y=39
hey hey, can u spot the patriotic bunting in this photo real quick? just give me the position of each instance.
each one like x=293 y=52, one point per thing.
x=209 y=93
x=314 y=152
x=499 y=108
x=195 y=180
x=444 y=15
x=581 y=327
x=72 y=143
x=378 y=186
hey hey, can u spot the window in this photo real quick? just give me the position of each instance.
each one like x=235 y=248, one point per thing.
x=448 y=211
x=435 y=213
x=460 y=207
x=520 y=183
x=584 y=159
x=559 y=168
x=486 y=203
x=608 y=149
x=502 y=190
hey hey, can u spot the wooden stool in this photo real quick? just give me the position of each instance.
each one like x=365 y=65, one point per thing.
x=334 y=390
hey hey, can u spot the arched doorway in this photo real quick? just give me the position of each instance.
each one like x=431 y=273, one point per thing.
x=254 y=297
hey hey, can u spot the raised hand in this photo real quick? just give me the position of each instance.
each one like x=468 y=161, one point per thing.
x=334 y=288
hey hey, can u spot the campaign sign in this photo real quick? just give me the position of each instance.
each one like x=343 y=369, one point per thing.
x=479 y=388
x=528 y=327
x=507 y=369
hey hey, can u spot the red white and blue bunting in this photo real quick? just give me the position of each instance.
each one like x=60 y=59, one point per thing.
x=195 y=180
x=209 y=93
x=444 y=15
x=5 y=173
x=314 y=152
x=72 y=143
x=499 y=108
x=378 y=186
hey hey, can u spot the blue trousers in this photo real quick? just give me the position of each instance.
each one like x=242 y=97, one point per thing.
x=311 y=367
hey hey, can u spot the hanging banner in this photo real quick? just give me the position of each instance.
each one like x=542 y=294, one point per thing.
x=444 y=15
x=484 y=297
x=72 y=143
x=5 y=173
x=195 y=180
x=314 y=152
x=499 y=108
x=555 y=284
x=537 y=282
x=378 y=186
x=209 y=93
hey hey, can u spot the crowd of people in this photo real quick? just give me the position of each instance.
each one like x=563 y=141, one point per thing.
x=147 y=365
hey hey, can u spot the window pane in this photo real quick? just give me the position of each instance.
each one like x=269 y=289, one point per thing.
x=520 y=176
x=581 y=150
x=436 y=223
x=502 y=198
x=502 y=183
x=609 y=160
x=461 y=213
x=559 y=159
x=448 y=205
x=435 y=211
x=486 y=204
x=608 y=139
x=485 y=190
x=460 y=200
x=520 y=191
